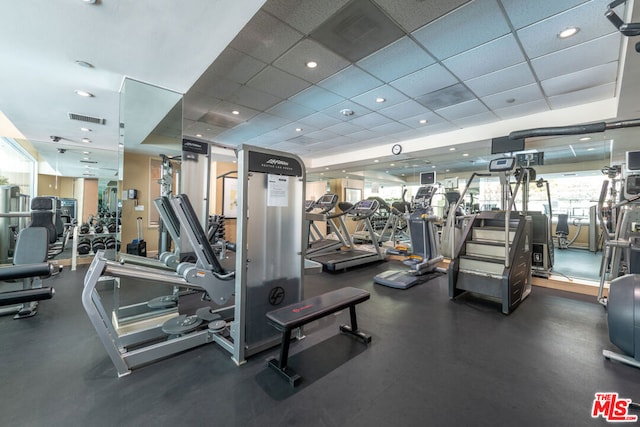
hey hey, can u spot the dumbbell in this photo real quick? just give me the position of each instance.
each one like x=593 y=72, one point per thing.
x=84 y=246
x=98 y=244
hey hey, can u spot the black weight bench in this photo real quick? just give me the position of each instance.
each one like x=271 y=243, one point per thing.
x=295 y=315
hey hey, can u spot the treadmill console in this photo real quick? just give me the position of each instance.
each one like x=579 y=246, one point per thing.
x=632 y=186
x=504 y=164
x=366 y=207
x=326 y=203
x=424 y=195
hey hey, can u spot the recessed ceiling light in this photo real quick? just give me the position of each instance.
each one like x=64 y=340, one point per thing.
x=84 y=93
x=86 y=153
x=235 y=112
x=85 y=158
x=199 y=135
x=452 y=149
x=344 y=171
x=380 y=100
x=312 y=64
x=376 y=161
x=326 y=169
x=392 y=164
x=585 y=138
x=447 y=170
x=89 y=1
x=403 y=174
x=298 y=129
x=433 y=167
x=87 y=140
x=321 y=173
x=346 y=112
x=568 y=32
x=590 y=149
x=423 y=121
x=85 y=129
x=465 y=155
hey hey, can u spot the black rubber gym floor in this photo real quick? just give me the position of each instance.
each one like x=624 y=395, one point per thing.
x=431 y=362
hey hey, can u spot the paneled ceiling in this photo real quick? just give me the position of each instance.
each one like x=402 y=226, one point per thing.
x=428 y=74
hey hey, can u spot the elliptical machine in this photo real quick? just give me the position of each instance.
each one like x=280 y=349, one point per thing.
x=424 y=243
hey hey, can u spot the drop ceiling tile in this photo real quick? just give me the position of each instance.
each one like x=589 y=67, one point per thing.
x=525 y=13
x=292 y=131
x=295 y=61
x=405 y=55
x=290 y=110
x=580 y=80
x=522 y=110
x=521 y=95
x=322 y=135
x=390 y=95
x=499 y=81
x=405 y=109
x=487 y=58
x=215 y=87
x=370 y=120
x=317 y=98
x=265 y=37
x=253 y=98
x=427 y=80
x=235 y=66
x=414 y=121
x=357 y=30
x=363 y=136
x=481 y=18
x=542 y=38
x=390 y=128
x=466 y=109
x=350 y=82
x=591 y=94
x=303 y=15
x=578 y=57
x=237 y=135
x=446 y=97
x=344 y=128
x=413 y=14
x=196 y=104
x=319 y=120
x=264 y=122
x=278 y=83
x=476 y=120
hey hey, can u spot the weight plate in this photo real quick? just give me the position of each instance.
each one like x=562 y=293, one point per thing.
x=166 y=301
x=181 y=325
x=217 y=325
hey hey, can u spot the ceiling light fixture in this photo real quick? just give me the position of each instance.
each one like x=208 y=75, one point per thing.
x=85 y=129
x=590 y=149
x=87 y=140
x=84 y=93
x=585 y=138
x=447 y=170
x=312 y=64
x=376 y=161
x=423 y=121
x=298 y=129
x=452 y=149
x=199 y=135
x=346 y=112
x=568 y=32
x=392 y=164
x=465 y=155
x=235 y=112
x=380 y=100
x=89 y=1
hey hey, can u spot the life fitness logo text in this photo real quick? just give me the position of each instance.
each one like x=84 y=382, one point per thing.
x=278 y=164
x=612 y=408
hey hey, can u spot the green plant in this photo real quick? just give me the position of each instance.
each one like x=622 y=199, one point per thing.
x=3 y=180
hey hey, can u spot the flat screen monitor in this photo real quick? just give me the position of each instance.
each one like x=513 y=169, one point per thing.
x=427 y=178
x=504 y=144
x=327 y=199
x=633 y=160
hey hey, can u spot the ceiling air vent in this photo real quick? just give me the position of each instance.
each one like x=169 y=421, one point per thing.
x=88 y=119
x=92 y=162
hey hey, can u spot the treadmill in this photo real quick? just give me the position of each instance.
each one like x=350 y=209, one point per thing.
x=424 y=242
x=349 y=256
x=321 y=211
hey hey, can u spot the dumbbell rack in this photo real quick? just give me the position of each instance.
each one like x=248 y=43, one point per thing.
x=77 y=236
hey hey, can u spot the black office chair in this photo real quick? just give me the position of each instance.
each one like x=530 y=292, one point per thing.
x=562 y=231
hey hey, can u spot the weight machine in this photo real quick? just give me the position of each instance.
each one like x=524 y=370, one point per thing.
x=268 y=272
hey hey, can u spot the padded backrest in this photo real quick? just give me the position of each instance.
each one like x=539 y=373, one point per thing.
x=44 y=219
x=32 y=246
x=42 y=204
x=563 y=224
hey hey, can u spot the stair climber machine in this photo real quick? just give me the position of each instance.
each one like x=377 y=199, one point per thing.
x=352 y=255
x=492 y=257
x=229 y=298
x=424 y=243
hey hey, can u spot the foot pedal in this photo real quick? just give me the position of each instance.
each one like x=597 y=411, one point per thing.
x=206 y=315
x=181 y=325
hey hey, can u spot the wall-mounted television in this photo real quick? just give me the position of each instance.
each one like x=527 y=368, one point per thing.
x=504 y=144
x=427 y=178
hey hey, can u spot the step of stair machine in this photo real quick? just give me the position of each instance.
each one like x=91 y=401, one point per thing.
x=491 y=234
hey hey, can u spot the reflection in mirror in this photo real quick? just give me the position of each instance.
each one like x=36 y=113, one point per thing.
x=151 y=133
